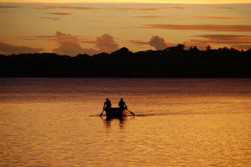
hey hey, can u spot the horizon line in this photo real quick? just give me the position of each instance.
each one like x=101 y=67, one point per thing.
x=135 y=52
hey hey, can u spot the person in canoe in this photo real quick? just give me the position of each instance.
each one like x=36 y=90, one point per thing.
x=107 y=104
x=114 y=112
x=122 y=104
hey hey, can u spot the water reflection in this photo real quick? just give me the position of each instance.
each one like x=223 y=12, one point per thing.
x=108 y=121
x=178 y=122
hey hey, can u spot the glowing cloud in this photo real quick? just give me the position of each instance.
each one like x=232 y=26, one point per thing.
x=158 y=43
x=70 y=45
x=7 y=49
x=106 y=43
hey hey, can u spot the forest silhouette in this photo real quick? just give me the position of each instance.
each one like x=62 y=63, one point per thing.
x=171 y=62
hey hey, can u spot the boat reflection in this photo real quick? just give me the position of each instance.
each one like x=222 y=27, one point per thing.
x=108 y=121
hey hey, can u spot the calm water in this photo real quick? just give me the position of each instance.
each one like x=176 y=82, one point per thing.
x=181 y=122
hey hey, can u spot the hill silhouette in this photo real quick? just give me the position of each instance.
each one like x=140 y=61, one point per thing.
x=170 y=62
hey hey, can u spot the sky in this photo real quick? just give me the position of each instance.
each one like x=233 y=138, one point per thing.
x=71 y=27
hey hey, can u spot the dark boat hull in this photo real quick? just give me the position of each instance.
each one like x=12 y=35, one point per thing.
x=115 y=112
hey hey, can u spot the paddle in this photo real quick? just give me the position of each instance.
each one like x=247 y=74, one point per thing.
x=130 y=111
x=102 y=112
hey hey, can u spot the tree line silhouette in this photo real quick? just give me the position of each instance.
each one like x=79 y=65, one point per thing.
x=170 y=62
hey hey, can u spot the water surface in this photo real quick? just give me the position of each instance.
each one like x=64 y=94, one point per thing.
x=182 y=122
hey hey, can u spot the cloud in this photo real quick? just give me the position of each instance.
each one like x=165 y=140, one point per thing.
x=200 y=44
x=106 y=43
x=241 y=47
x=110 y=8
x=158 y=43
x=37 y=38
x=139 y=42
x=50 y=18
x=202 y=27
x=232 y=39
x=95 y=21
x=225 y=8
x=151 y=9
x=10 y=7
x=219 y=17
x=192 y=17
x=8 y=49
x=214 y=40
x=147 y=17
x=236 y=41
x=5 y=12
x=61 y=14
x=70 y=45
x=66 y=7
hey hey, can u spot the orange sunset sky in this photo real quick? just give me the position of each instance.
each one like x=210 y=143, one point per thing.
x=70 y=27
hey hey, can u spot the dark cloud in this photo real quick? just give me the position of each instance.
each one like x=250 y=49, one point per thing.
x=147 y=17
x=151 y=9
x=230 y=40
x=95 y=21
x=66 y=7
x=50 y=18
x=202 y=44
x=202 y=27
x=7 y=49
x=110 y=8
x=10 y=7
x=226 y=39
x=139 y=42
x=225 y=8
x=192 y=17
x=5 y=12
x=221 y=36
x=219 y=17
x=61 y=14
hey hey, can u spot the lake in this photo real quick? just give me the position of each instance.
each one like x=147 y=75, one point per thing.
x=179 y=122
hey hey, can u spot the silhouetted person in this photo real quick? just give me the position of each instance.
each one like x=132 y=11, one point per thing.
x=107 y=104
x=122 y=104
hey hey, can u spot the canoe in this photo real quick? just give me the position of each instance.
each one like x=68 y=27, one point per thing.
x=115 y=112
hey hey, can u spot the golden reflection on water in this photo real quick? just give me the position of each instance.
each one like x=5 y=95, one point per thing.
x=173 y=129
x=119 y=121
x=44 y=134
